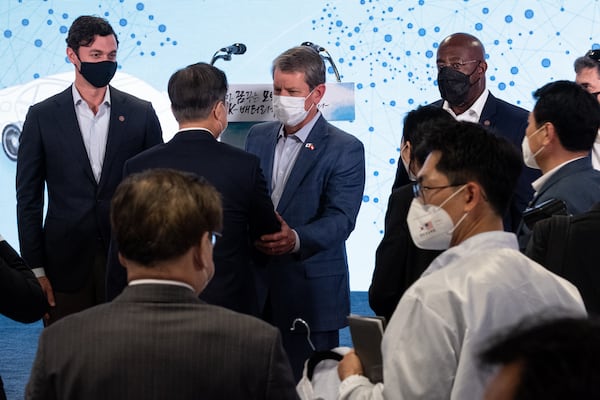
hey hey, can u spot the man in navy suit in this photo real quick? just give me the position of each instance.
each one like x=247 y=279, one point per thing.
x=74 y=145
x=197 y=93
x=316 y=175
x=559 y=138
x=461 y=80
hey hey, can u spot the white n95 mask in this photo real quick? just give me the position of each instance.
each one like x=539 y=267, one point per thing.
x=430 y=226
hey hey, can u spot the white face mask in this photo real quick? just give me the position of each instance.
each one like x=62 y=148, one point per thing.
x=290 y=110
x=430 y=226
x=528 y=156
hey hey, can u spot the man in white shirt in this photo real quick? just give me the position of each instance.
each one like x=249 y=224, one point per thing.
x=587 y=74
x=480 y=285
x=157 y=339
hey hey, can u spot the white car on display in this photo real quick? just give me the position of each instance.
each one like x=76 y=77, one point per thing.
x=16 y=100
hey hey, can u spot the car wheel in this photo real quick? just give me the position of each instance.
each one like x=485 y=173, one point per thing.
x=10 y=141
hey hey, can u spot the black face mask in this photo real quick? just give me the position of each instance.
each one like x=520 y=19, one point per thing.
x=454 y=85
x=98 y=74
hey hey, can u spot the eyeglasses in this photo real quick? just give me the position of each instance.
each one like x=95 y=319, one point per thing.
x=594 y=55
x=455 y=65
x=419 y=190
x=214 y=236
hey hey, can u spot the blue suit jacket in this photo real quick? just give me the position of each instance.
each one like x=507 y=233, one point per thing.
x=576 y=183
x=52 y=153
x=510 y=122
x=320 y=201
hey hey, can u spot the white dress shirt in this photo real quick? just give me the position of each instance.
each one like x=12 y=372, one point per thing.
x=473 y=114
x=94 y=129
x=596 y=152
x=468 y=294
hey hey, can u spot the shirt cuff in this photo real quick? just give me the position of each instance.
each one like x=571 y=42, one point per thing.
x=297 y=245
x=352 y=383
x=38 y=272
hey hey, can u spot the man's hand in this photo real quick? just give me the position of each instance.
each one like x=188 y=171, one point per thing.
x=47 y=288
x=350 y=365
x=277 y=243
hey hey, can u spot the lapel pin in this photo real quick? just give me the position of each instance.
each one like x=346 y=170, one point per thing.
x=487 y=122
x=121 y=118
x=309 y=146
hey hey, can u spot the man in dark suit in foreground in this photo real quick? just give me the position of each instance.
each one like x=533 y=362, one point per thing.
x=197 y=95
x=75 y=144
x=157 y=340
x=462 y=65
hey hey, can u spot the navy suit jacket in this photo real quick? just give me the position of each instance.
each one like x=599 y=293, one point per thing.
x=247 y=213
x=159 y=341
x=576 y=183
x=52 y=153
x=510 y=122
x=320 y=201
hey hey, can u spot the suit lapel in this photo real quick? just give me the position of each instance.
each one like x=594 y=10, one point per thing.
x=566 y=170
x=269 y=151
x=117 y=127
x=70 y=131
x=489 y=111
x=307 y=157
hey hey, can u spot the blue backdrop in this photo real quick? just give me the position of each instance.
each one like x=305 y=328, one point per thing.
x=387 y=48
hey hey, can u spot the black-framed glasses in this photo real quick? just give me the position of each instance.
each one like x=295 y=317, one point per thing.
x=419 y=190
x=456 y=65
x=594 y=55
x=214 y=236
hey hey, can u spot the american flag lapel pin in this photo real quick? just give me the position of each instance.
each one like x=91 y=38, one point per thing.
x=309 y=146
x=121 y=118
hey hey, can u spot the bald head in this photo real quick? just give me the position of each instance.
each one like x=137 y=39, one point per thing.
x=463 y=57
x=468 y=43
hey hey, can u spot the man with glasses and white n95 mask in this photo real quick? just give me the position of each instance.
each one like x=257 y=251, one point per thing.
x=480 y=284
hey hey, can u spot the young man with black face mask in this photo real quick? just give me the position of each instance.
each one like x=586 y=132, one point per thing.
x=461 y=65
x=75 y=144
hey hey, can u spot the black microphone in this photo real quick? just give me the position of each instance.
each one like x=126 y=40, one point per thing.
x=314 y=46
x=236 y=48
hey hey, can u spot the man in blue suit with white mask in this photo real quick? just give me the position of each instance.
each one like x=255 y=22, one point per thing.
x=316 y=174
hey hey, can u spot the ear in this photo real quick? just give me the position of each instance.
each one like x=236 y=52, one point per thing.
x=318 y=93
x=72 y=56
x=407 y=149
x=549 y=134
x=201 y=252
x=473 y=195
x=122 y=260
x=483 y=65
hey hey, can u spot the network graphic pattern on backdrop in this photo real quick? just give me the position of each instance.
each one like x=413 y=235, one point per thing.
x=387 y=47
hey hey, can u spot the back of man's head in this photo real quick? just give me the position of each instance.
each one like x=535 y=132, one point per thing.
x=586 y=62
x=159 y=214
x=302 y=59
x=470 y=153
x=555 y=359
x=417 y=122
x=194 y=91
x=573 y=111
x=83 y=30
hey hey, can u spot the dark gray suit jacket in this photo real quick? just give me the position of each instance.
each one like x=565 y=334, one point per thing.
x=159 y=341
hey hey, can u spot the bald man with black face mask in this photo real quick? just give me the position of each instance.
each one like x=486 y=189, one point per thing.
x=461 y=65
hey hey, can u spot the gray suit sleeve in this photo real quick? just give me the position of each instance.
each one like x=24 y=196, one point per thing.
x=40 y=384
x=280 y=381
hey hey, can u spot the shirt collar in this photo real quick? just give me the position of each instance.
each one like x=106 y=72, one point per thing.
x=77 y=99
x=473 y=114
x=160 y=282
x=303 y=133
x=539 y=182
